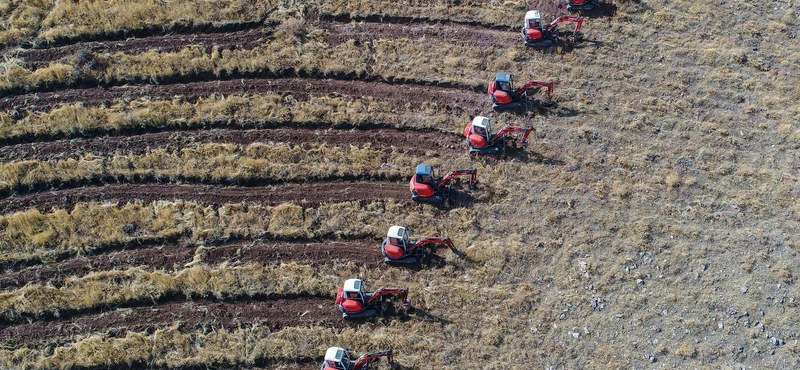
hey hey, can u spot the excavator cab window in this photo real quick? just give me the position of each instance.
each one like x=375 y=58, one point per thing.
x=479 y=130
x=503 y=86
x=534 y=23
x=395 y=241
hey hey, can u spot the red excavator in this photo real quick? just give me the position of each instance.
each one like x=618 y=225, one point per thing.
x=582 y=5
x=357 y=304
x=535 y=33
x=425 y=188
x=398 y=249
x=506 y=98
x=482 y=141
x=337 y=358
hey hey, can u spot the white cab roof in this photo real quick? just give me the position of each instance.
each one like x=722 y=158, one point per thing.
x=480 y=121
x=533 y=14
x=352 y=285
x=334 y=354
x=396 y=232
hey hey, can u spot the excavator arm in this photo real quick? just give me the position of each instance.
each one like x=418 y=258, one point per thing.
x=445 y=241
x=525 y=130
x=548 y=84
x=471 y=172
x=402 y=293
x=363 y=361
x=578 y=20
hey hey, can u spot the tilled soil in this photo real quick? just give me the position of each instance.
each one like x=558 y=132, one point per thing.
x=436 y=143
x=173 y=257
x=82 y=52
x=298 y=193
x=338 y=33
x=231 y=312
x=188 y=315
x=300 y=88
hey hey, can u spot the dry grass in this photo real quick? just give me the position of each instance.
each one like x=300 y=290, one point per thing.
x=677 y=213
x=246 y=346
x=214 y=163
x=90 y=226
x=387 y=58
x=108 y=288
x=46 y=21
x=240 y=110
x=41 y=21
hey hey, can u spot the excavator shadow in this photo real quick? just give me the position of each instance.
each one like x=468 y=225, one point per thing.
x=602 y=10
x=561 y=112
x=528 y=156
x=462 y=196
x=533 y=105
x=421 y=314
x=586 y=43
x=431 y=261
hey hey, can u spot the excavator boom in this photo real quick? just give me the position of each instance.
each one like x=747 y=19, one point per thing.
x=445 y=241
x=578 y=20
x=471 y=172
x=508 y=129
x=402 y=293
x=364 y=360
x=548 y=84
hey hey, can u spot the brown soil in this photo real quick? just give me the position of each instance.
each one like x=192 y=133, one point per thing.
x=82 y=52
x=338 y=33
x=306 y=194
x=189 y=315
x=435 y=142
x=174 y=256
x=300 y=88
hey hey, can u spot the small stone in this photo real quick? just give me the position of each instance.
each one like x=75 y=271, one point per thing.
x=704 y=267
x=575 y=334
x=562 y=317
x=640 y=281
x=720 y=325
x=743 y=290
x=656 y=328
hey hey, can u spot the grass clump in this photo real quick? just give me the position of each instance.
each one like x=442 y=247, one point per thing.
x=92 y=226
x=76 y=120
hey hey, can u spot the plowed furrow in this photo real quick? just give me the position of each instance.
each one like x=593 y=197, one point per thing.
x=299 y=193
x=300 y=88
x=241 y=33
x=87 y=61
x=81 y=53
x=419 y=143
x=337 y=33
x=174 y=256
x=189 y=315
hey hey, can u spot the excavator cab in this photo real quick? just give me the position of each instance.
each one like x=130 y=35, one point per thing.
x=423 y=184
x=533 y=30
x=398 y=237
x=353 y=289
x=477 y=132
x=336 y=358
x=424 y=175
x=501 y=89
x=396 y=247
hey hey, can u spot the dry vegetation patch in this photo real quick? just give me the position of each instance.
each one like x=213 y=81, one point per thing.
x=651 y=223
x=268 y=110
x=93 y=226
